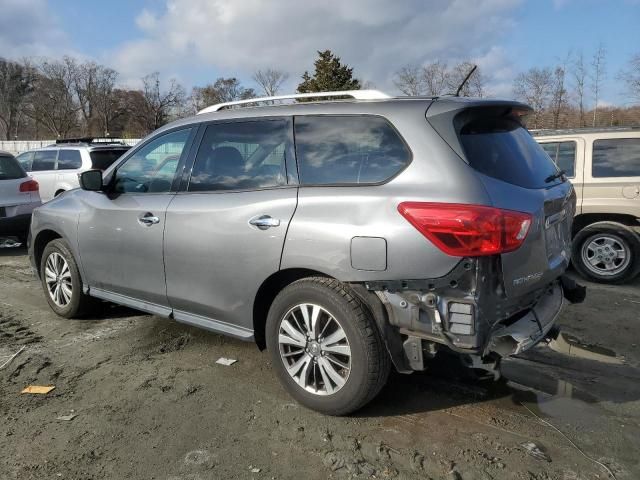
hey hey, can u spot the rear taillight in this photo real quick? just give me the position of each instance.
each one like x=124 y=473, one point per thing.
x=468 y=230
x=29 y=186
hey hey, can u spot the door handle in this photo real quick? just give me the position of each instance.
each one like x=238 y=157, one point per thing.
x=264 y=221
x=149 y=219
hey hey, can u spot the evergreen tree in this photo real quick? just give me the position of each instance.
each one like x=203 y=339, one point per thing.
x=329 y=76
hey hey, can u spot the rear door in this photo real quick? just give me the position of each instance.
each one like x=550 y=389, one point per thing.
x=225 y=231
x=520 y=176
x=68 y=166
x=612 y=183
x=43 y=169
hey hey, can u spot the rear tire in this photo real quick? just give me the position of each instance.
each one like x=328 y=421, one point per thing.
x=336 y=367
x=61 y=281
x=607 y=252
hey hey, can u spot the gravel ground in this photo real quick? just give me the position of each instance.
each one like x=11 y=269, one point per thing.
x=151 y=403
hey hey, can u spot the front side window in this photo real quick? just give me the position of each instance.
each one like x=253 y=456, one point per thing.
x=563 y=154
x=44 y=160
x=152 y=168
x=69 y=160
x=25 y=159
x=242 y=156
x=334 y=150
x=616 y=157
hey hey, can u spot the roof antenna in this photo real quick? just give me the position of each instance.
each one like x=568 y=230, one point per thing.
x=466 y=79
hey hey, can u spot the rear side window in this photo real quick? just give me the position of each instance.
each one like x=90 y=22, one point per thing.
x=44 y=160
x=616 y=157
x=563 y=154
x=335 y=150
x=10 y=169
x=502 y=148
x=242 y=156
x=25 y=159
x=69 y=160
x=103 y=159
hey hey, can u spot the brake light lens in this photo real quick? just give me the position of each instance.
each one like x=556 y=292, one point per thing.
x=29 y=186
x=464 y=230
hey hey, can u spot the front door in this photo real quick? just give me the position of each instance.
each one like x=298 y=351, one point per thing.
x=225 y=231
x=120 y=232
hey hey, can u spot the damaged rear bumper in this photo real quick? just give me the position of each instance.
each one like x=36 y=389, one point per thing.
x=524 y=333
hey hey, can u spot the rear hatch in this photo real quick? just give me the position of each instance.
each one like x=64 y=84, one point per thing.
x=12 y=176
x=519 y=176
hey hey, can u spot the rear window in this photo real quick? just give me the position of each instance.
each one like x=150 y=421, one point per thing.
x=10 y=169
x=616 y=157
x=334 y=150
x=502 y=148
x=102 y=159
x=563 y=154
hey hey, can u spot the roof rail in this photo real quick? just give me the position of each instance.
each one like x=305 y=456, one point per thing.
x=88 y=140
x=356 y=94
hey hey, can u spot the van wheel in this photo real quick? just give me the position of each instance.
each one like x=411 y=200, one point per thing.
x=607 y=252
x=325 y=346
x=61 y=281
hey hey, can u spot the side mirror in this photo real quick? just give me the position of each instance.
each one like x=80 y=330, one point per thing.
x=91 y=180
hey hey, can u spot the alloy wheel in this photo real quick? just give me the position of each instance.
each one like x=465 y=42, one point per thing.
x=314 y=349
x=58 y=279
x=605 y=255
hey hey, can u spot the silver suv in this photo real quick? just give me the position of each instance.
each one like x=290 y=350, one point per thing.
x=343 y=235
x=57 y=166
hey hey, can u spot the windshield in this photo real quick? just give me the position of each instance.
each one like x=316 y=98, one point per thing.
x=10 y=169
x=102 y=159
x=502 y=148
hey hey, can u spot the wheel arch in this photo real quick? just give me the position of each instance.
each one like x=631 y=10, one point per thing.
x=40 y=242
x=586 y=219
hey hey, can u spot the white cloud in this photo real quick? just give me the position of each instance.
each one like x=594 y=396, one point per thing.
x=29 y=28
x=376 y=37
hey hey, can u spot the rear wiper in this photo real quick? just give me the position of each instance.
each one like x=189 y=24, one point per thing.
x=552 y=177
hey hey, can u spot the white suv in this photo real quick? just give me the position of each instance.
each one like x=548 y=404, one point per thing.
x=57 y=166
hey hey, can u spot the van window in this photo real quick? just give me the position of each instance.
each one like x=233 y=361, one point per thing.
x=69 y=160
x=25 y=159
x=335 y=150
x=44 y=160
x=563 y=154
x=616 y=157
x=242 y=156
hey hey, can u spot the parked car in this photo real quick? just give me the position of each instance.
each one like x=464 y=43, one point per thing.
x=18 y=197
x=342 y=235
x=57 y=166
x=604 y=167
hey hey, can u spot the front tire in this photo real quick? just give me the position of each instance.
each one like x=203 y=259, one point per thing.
x=607 y=252
x=61 y=281
x=325 y=346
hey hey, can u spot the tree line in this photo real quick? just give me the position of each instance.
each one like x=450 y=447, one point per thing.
x=67 y=97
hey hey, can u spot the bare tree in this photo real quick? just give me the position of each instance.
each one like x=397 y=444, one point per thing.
x=157 y=104
x=631 y=77
x=579 y=73
x=534 y=87
x=270 y=80
x=221 y=91
x=16 y=83
x=598 y=73
x=53 y=103
x=436 y=78
x=409 y=80
x=558 y=94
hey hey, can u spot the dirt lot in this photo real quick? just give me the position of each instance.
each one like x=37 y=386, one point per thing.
x=152 y=404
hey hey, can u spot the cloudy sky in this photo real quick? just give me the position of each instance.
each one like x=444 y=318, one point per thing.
x=196 y=41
